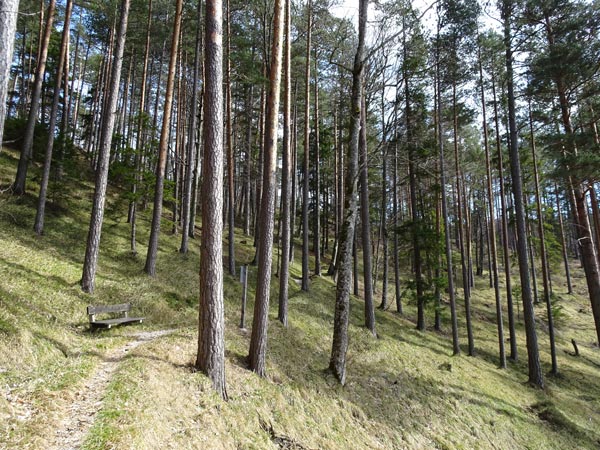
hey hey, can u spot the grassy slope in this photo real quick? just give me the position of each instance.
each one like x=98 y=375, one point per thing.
x=404 y=390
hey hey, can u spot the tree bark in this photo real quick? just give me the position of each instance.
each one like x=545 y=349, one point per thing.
x=366 y=224
x=140 y=139
x=492 y=222
x=384 y=237
x=286 y=174
x=464 y=259
x=41 y=207
x=9 y=10
x=211 y=326
x=230 y=158
x=258 y=339
x=563 y=242
x=18 y=187
x=337 y=363
x=109 y=111
x=317 y=201
x=150 y=267
x=306 y=167
x=505 y=246
x=535 y=370
x=543 y=254
x=188 y=191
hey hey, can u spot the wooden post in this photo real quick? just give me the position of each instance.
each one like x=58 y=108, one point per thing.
x=244 y=281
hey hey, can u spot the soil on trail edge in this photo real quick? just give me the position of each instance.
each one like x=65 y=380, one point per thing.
x=82 y=411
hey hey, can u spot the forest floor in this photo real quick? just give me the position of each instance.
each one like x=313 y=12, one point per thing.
x=62 y=386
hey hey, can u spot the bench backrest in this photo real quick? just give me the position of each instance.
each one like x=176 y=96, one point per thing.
x=102 y=309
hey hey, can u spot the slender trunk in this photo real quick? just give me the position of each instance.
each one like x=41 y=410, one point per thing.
x=535 y=370
x=366 y=224
x=492 y=226
x=384 y=147
x=305 y=184
x=444 y=201
x=8 y=19
x=317 y=200
x=505 y=247
x=140 y=133
x=18 y=187
x=258 y=339
x=286 y=174
x=466 y=280
x=563 y=242
x=294 y=144
x=248 y=161
x=230 y=157
x=81 y=82
x=150 y=267
x=191 y=147
x=41 y=207
x=259 y=164
x=197 y=165
x=337 y=363
x=109 y=110
x=543 y=254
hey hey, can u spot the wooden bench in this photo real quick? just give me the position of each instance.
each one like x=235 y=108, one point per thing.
x=122 y=309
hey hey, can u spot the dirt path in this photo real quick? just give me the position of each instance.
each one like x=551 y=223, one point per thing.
x=88 y=401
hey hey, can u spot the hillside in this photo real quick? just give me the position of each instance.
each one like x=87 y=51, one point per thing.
x=404 y=389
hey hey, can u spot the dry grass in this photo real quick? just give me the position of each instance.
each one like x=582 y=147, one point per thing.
x=404 y=390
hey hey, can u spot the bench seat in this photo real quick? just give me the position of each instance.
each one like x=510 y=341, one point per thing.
x=122 y=309
x=108 y=323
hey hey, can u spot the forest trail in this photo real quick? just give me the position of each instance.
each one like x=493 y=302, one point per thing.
x=88 y=402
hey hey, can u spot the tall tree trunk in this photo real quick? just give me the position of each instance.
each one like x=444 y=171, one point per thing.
x=492 y=223
x=18 y=187
x=464 y=259
x=543 y=254
x=191 y=147
x=317 y=201
x=248 y=161
x=305 y=184
x=535 y=370
x=444 y=201
x=140 y=137
x=259 y=164
x=258 y=339
x=413 y=197
x=80 y=83
x=8 y=24
x=109 y=111
x=197 y=165
x=286 y=173
x=230 y=158
x=294 y=144
x=211 y=326
x=41 y=207
x=366 y=224
x=397 y=289
x=337 y=362
x=590 y=261
x=150 y=267
x=589 y=258
x=384 y=150
x=505 y=246
x=563 y=242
